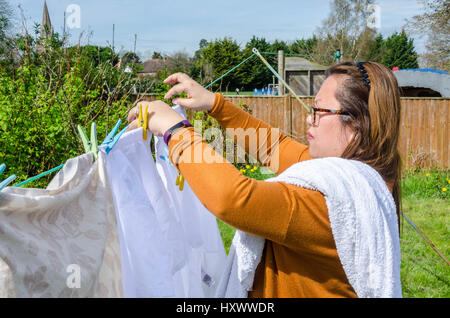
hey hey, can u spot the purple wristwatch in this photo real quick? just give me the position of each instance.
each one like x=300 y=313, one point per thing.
x=171 y=130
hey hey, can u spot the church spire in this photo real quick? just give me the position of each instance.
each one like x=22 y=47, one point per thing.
x=46 y=25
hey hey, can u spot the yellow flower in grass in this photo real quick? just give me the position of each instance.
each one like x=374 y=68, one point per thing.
x=255 y=168
x=427 y=175
x=247 y=167
x=242 y=170
x=444 y=189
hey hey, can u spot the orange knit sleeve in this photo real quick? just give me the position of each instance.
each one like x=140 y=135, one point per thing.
x=265 y=209
x=276 y=152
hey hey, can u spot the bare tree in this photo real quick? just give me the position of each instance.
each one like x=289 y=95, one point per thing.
x=434 y=24
x=179 y=61
x=345 y=29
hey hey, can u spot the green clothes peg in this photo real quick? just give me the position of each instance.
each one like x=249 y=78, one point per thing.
x=89 y=145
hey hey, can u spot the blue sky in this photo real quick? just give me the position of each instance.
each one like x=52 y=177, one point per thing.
x=179 y=25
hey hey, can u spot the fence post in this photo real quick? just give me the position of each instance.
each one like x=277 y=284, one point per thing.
x=288 y=103
x=281 y=72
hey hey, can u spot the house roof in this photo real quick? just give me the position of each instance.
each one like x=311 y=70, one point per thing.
x=152 y=66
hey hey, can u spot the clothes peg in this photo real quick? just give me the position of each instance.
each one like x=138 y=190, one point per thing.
x=143 y=120
x=180 y=181
x=110 y=136
x=5 y=183
x=165 y=158
x=90 y=145
x=111 y=143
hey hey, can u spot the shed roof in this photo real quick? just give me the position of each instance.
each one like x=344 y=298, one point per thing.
x=301 y=64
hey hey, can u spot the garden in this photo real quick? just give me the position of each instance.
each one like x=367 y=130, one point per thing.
x=48 y=88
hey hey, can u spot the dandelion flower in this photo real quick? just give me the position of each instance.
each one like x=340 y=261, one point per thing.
x=444 y=189
x=247 y=166
x=255 y=167
x=427 y=175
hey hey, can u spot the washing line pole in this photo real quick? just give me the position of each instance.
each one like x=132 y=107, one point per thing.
x=306 y=107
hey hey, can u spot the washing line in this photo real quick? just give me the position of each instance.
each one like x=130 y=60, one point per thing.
x=225 y=74
x=38 y=176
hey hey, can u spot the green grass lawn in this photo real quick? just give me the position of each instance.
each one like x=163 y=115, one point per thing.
x=426 y=203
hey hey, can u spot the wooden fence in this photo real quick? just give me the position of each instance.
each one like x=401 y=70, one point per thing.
x=424 y=139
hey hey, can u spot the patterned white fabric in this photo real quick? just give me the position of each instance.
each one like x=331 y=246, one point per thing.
x=49 y=235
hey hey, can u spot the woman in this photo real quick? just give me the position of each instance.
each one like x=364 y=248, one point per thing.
x=333 y=233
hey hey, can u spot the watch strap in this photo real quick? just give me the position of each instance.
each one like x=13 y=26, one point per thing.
x=171 y=130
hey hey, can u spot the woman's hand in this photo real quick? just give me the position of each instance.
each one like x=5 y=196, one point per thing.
x=199 y=98
x=160 y=117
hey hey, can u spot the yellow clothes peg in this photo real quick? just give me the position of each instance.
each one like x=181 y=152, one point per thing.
x=180 y=182
x=143 y=120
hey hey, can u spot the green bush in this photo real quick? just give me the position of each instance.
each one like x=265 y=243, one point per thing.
x=50 y=93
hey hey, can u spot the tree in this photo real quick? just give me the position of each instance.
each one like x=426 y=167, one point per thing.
x=345 y=29
x=304 y=46
x=201 y=70
x=224 y=54
x=130 y=57
x=257 y=74
x=435 y=25
x=179 y=62
x=376 y=49
x=157 y=55
x=6 y=47
x=279 y=45
x=399 y=51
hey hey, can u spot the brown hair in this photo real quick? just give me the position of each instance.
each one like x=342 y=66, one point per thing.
x=375 y=118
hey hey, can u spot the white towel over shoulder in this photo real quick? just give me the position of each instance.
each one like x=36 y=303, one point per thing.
x=363 y=222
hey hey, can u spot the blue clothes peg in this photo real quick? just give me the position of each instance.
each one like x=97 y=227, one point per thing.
x=111 y=140
x=8 y=180
x=165 y=158
x=110 y=136
x=5 y=183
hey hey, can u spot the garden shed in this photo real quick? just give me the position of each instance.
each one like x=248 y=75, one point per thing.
x=303 y=76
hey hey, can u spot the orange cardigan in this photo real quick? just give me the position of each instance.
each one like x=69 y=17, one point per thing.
x=300 y=257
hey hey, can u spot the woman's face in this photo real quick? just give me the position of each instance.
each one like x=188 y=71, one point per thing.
x=328 y=137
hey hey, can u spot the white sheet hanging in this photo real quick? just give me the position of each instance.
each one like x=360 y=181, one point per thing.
x=170 y=246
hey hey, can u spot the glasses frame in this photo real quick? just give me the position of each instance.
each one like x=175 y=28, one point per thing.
x=314 y=110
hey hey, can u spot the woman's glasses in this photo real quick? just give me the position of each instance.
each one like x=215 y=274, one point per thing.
x=316 y=117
